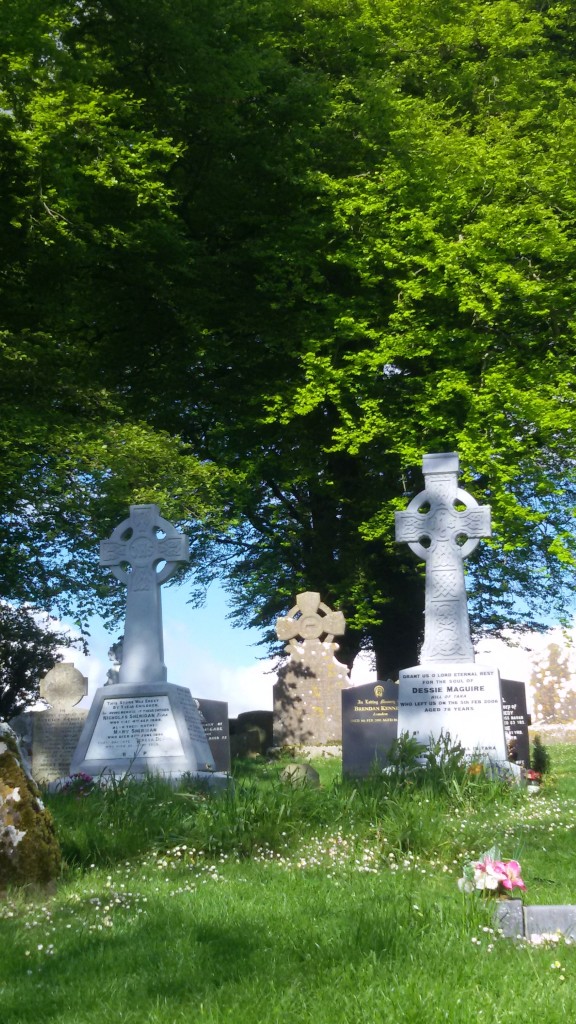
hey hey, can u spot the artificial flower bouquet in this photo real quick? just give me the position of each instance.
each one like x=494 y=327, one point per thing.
x=491 y=875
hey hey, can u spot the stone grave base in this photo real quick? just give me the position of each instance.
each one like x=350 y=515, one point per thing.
x=213 y=781
x=141 y=730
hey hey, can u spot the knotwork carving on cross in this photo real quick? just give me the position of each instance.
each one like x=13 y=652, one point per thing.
x=443 y=537
x=304 y=621
x=143 y=541
x=134 y=552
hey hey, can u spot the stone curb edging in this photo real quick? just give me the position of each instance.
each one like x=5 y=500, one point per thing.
x=521 y=922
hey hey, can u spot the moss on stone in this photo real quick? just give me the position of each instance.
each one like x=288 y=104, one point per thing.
x=36 y=858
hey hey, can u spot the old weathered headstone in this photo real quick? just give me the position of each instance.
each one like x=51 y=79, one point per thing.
x=49 y=738
x=447 y=692
x=143 y=724
x=251 y=733
x=307 y=702
x=299 y=775
x=369 y=726
x=516 y=721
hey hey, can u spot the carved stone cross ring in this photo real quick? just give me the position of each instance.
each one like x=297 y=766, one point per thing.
x=304 y=620
x=134 y=553
x=443 y=536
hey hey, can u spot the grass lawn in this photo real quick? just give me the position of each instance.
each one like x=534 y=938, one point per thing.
x=275 y=906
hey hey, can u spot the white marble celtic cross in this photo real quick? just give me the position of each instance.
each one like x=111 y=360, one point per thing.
x=443 y=537
x=135 y=553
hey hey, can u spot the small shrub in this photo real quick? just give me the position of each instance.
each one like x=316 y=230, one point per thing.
x=540 y=756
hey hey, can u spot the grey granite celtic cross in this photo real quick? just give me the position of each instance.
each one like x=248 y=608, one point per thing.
x=134 y=551
x=443 y=537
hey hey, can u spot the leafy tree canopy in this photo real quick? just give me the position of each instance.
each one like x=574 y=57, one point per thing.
x=258 y=258
x=29 y=648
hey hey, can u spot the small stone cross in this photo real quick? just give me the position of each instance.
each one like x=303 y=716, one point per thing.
x=304 y=620
x=443 y=537
x=133 y=552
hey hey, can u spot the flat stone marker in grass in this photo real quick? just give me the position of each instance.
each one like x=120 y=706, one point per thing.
x=143 y=724
x=447 y=692
x=533 y=923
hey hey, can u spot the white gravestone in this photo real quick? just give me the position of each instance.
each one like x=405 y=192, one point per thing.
x=142 y=724
x=448 y=692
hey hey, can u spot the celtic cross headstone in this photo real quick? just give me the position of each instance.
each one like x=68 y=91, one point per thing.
x=143 y=552
x=443 y=536
x=304 y=621
x=143 y=724
x=447 y=693
x=307 y=696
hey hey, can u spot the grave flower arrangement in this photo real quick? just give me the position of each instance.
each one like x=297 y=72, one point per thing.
x=492 y=876
x=79 y=784
x=533 y=778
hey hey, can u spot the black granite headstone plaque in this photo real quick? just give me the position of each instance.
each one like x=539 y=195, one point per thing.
x=214 y=717
x=516 y=721
x=369 y=726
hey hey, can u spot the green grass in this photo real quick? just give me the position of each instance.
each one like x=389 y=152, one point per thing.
x=280 y=906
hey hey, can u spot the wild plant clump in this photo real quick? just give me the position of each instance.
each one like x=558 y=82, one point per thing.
x=540 y=757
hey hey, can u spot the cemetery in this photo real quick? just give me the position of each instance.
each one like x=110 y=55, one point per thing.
x=148 y=813
x=288 y=330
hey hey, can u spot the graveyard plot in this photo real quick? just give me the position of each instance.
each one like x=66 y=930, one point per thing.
x=327 y=905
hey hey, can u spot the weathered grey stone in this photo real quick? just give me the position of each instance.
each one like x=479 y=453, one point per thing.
x=49 y=738
x=534 y=923
x=548 y=920
x=509 y=916
x=447 y=692
x=307 y=701
x=300 y=775
x=251 y=733
x=29 y=850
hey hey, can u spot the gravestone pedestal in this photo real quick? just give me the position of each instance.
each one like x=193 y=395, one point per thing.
x=141 y=730
x=460 y=699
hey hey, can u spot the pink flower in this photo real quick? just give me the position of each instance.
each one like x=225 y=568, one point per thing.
x=489 y=873
x=512 y=873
